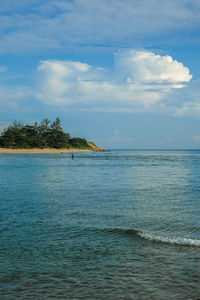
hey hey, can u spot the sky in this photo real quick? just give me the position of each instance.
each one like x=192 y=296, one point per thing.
x=121 y=73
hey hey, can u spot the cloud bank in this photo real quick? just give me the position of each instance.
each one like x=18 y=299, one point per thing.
x=140 y=80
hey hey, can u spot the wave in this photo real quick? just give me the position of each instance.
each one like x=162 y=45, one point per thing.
x=170 y=240
x=157 y=238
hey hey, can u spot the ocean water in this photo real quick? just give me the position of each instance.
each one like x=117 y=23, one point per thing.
x=115 y=225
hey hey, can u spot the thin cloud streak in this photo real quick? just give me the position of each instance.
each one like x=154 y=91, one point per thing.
x=58 y=24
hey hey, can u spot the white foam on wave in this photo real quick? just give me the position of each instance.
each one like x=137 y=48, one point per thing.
x=170 y=240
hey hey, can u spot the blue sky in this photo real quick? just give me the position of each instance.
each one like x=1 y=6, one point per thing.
x=123 y=73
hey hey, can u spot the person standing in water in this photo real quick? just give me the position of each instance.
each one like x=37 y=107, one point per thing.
x=72 y=155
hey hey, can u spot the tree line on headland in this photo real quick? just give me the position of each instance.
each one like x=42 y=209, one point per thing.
x=39 y=135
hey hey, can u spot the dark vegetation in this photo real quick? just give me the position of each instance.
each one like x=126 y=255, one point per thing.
x=39 y=135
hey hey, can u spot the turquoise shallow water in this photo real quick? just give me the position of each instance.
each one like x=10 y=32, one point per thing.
x=116 y=225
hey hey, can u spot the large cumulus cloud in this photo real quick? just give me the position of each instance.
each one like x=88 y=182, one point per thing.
x=140 y=80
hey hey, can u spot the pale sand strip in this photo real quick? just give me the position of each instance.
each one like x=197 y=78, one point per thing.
x=40 y=151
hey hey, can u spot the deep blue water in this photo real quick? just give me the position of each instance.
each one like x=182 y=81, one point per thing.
x=115 y=225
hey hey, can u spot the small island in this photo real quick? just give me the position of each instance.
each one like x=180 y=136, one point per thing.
x=44 y=137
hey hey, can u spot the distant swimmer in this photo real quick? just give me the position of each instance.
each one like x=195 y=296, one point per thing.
x=72 y=155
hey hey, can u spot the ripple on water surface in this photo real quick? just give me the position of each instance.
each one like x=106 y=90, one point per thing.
x=116 y=225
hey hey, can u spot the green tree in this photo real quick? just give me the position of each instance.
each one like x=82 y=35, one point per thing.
x=78 y=142
x=20 y=135
x=58 y=138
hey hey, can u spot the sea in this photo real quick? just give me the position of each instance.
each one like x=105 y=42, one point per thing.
x=123 y=224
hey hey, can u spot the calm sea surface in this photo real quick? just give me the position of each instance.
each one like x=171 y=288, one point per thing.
x=116 y=225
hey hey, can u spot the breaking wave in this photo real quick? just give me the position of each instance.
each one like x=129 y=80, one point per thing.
x=170 y=240
x=157 y=238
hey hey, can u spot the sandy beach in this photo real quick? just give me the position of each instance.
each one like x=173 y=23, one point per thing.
x=40 y=151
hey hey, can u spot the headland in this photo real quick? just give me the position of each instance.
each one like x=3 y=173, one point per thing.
x=92 y=147
x=42 y=138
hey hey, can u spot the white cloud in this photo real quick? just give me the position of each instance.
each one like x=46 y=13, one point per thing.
x=148 y=67
x=196 y=138
x=54 y=24
x=12 y=96
x=3 y=69
x=140 y=80
x=186 y=101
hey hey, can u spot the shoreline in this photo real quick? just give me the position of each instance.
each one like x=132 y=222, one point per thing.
x=42 y=151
